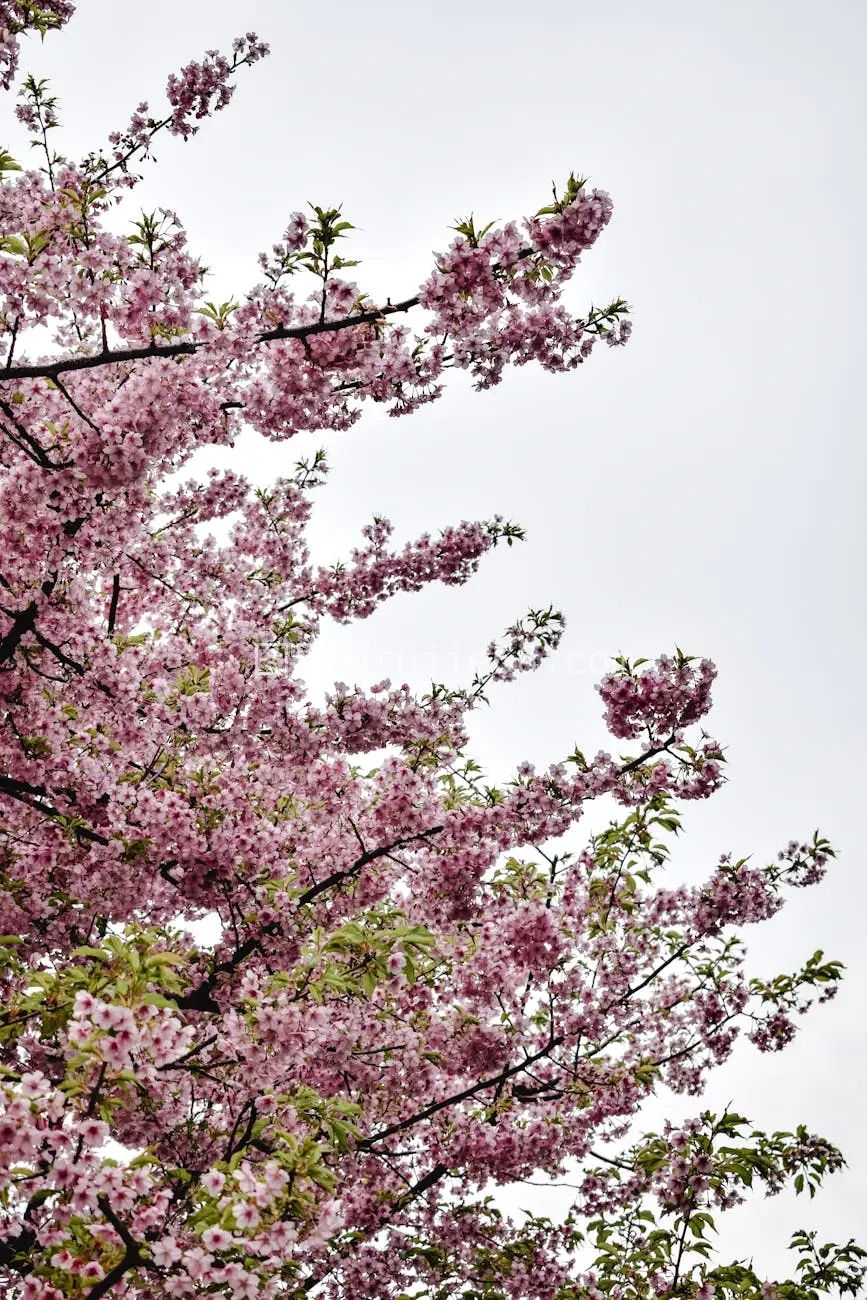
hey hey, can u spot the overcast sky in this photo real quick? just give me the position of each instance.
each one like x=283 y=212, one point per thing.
x=702 y=487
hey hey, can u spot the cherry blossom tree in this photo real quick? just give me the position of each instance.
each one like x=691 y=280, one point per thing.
x=419 y=988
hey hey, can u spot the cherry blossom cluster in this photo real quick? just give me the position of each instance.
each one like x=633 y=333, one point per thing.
x=200 y=89
x=659 y=700
x=509 y=281
x=194 y=93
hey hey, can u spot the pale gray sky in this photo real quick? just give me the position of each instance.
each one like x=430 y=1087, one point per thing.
x=703 y=486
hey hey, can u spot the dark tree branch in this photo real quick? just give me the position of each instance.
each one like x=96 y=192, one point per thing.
x=432 y=1177
x=72 y=402
x=337 y=877
x=26 y=442
x=15 y=1251
x=481 y=1086
x=22 y=622
x=179 y=1062
x=250 y=1106
x=35 y=796
x=131 y=1258
x=51 y=369
x=201 y=998
x=648 y=754
x=112 y=609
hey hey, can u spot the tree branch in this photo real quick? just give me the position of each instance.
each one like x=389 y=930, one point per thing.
x=22 y=623
x=131 y=1258
x=51 y=369
x=648 y=754
x=200 y=998
x=337 y=876
x=112 y=609
x=432 y=1177
x=34 y=797
x=366 y=1143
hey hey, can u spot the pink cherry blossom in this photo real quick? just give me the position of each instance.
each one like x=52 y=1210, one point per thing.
x=213 y=1182
x=165 y=1252
x=216 y=1238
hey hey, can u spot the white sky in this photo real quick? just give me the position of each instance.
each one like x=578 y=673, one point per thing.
x=703 y=486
